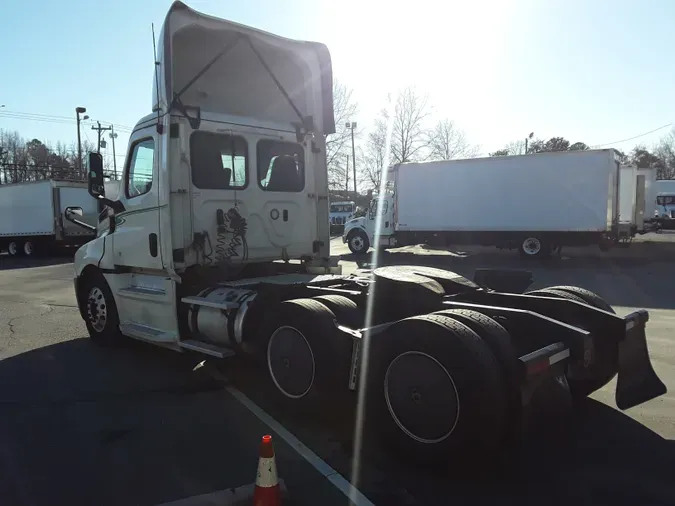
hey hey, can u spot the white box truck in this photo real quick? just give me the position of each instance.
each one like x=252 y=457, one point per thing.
x=227 y=183
x=32 y=216
x=533 y=203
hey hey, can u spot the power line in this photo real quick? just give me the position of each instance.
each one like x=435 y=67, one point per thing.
x=48 y=118
x=633 y=138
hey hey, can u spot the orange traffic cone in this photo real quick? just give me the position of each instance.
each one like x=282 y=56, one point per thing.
x=267 y=491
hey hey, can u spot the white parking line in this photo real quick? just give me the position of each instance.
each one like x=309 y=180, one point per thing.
x=351 y=492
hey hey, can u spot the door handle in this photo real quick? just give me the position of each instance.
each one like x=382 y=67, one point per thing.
x=152 y=243
x=285 y=214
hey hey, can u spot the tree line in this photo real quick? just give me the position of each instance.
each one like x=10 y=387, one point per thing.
x=417 y=136
x=406 y=120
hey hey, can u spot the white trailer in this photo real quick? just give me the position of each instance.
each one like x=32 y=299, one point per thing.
x=32 y=216
x=228 y=177
x=533 y=203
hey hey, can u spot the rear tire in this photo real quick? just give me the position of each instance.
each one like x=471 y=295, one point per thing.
x=13 y=249
x=589 y=297
x=100 y=310
x=435 y=386
x=499 y=341
x=534 y=247
x=29 y=249
x=606 y=364
x=302 y=353
x=345 y=310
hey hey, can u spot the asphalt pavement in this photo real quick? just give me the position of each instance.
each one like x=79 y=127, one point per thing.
x=140 y=426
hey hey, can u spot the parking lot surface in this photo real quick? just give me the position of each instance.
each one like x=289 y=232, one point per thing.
x=139 y=425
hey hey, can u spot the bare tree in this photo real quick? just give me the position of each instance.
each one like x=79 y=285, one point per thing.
x=409 y=137
x=446 y=142
x=373 y=155
x=666 y=152
x=338 y=145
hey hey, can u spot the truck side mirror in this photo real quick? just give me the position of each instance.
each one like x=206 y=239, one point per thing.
x=95 y=176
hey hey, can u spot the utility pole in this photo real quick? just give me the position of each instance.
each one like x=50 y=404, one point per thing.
x=347 y=181
x=526 y=139
x=78 y=111
x=352 y=126
x=113 y=135
x=100 y=129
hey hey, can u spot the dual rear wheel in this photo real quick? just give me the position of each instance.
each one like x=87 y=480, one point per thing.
x=437 y=385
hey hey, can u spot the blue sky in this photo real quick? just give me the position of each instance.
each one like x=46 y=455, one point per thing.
x=593 y=71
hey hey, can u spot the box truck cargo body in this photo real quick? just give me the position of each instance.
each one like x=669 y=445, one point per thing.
x=535 y=203
x=32 y=216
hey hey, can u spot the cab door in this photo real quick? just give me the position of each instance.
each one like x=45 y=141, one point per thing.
x=287 y=186
x=136 y=238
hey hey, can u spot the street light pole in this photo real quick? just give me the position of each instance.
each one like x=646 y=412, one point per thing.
x=78 y=111
x=113 y=135
x=352 y=126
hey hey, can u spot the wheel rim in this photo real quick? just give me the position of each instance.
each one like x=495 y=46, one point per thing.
x=11 y=249
x=28 y=248
x=421 y=397
x=357 y=243
x=97 y=309
x=290 y=361
x=531 y=246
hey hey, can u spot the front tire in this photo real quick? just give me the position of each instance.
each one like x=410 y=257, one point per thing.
x=358 y=242
x=100 y=311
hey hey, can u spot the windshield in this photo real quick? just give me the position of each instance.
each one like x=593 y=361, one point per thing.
x=664 y=200
x=341 y=208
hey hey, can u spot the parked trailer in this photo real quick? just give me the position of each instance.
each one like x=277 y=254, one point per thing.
x=533 y=203
x=31 y=216
x=185 y=263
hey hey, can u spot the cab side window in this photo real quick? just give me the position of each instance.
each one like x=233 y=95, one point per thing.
x=139 y=175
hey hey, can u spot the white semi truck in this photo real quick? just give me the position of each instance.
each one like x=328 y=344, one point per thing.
x=32 y=216
x=225 y=186
x=533 y=203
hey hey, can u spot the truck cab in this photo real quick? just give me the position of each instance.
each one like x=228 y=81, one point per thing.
x=665 y=205
x=377 y=227
x=341 y=213
x=225 y=176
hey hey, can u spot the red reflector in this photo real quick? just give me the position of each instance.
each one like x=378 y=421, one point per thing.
x=537 y=367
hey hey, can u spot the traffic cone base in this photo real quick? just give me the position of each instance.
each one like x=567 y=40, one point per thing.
x=267 y=490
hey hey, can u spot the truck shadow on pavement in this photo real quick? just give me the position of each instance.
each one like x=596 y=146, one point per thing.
x=621 y=281
x=594 y=455
x=84 y=425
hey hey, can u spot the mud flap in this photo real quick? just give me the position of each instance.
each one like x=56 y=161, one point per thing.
x=637 y=381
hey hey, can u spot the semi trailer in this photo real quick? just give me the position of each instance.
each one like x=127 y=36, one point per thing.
x=218 y=244
x=533 y=203
x=32 y=216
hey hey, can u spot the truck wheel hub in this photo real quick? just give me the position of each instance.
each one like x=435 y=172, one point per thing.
x=532 y=245
x=428 y=411
x=97 y=313
x=357 y=242
x=290 y=361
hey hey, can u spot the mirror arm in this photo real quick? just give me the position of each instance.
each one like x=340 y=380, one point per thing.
x=115 y=205
x=80 y=223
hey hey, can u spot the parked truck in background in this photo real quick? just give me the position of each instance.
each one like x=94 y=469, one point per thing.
x=32 y=216
x=218 y=243
x=340 y=213
x=532 y=203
